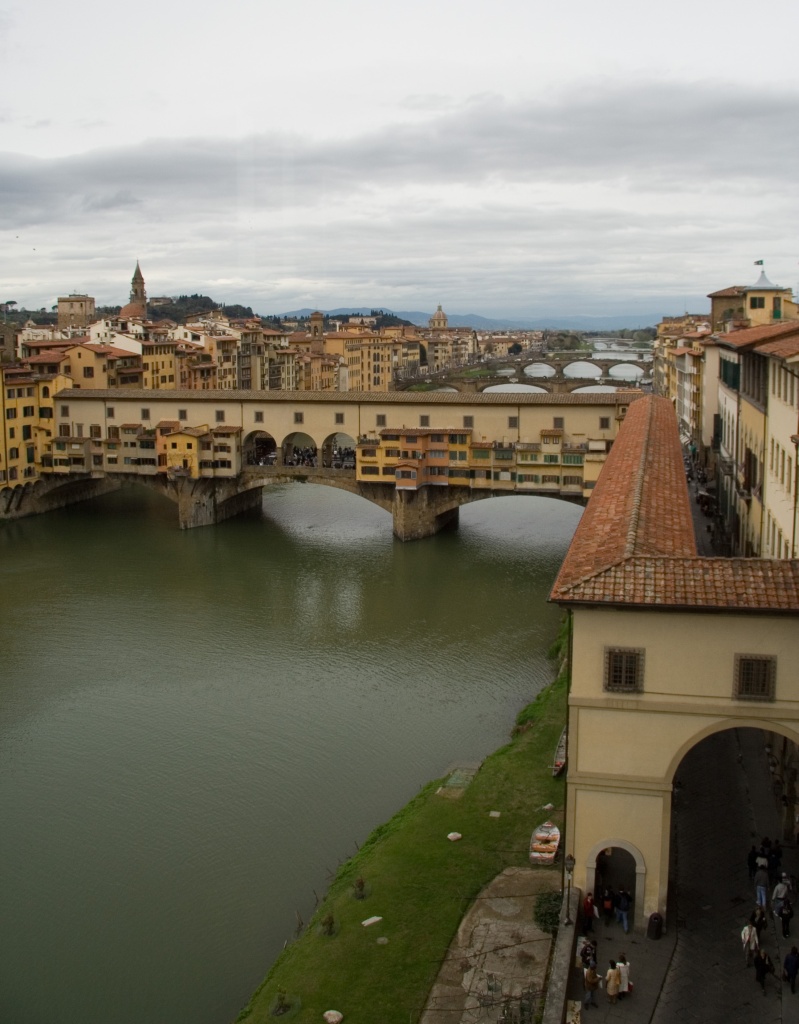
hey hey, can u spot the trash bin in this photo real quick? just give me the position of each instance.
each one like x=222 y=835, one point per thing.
x=655 y=927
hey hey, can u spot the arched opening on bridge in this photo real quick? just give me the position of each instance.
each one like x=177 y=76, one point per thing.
x=583 y=369
x=299 y=449
x=625 y=371
x=259 y=449
x=515 y=388
x=539 y=370
x=338 y=451
x=595 y=389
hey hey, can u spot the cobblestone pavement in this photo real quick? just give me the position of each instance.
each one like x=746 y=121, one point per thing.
x=723 y=804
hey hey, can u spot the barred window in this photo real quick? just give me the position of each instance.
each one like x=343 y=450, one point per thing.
x=380 y=419
x=424 y=421
x=624 y=669
x=468 y=422
x=513 y=422
x=755 y=677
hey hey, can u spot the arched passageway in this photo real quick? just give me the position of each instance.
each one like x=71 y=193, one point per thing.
x=727 y=798
x=259 y=449
x=299 y=449
x=338 y=451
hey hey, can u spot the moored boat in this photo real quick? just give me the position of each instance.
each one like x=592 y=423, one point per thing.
x=544 y=843
x=560 y=754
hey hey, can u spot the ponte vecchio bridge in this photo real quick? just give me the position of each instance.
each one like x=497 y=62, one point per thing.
x=419 y=456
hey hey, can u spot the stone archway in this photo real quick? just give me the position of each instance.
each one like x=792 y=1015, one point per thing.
x=338 y=451
x=299 y=448
x=637 y=886
x=259 y=449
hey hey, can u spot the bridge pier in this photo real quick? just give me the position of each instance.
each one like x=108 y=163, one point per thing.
x=419 y=514
x=208 y=502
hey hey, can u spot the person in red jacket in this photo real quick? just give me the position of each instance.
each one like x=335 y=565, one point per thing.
x=588 y=913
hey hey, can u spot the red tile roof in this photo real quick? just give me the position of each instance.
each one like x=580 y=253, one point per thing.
x=752 y=335
x=635 y=544
x=732 y=292
x=784 y=348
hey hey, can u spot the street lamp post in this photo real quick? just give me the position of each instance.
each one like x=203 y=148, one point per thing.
x=569 y=865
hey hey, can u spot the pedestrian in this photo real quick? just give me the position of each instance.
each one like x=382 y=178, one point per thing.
x=612 y=982
x=761 y=886
x=591 y=984
x=751 y=861
x=625 y=985
x=790 y=967
x=785 y=915
x=750 y=942
x=623 y=909
x=608 y=900
x=588 y=913
x=763 y=967
x=780 y=893
x=588 y=952
x=759 y=920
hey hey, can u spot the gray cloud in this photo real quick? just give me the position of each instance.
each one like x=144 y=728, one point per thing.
x=600 y=195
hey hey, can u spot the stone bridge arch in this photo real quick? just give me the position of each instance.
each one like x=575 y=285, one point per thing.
x=773 y=725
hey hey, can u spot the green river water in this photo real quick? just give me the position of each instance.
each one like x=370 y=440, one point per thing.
x=196 y=728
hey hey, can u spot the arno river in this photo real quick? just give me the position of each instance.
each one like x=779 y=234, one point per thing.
x=197 y=728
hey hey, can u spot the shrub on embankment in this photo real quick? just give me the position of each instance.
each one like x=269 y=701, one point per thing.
x=419 y=883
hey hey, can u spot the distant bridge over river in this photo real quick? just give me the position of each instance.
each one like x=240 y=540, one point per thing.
x=495 y=372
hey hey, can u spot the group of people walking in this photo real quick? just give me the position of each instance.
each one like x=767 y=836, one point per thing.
x=609 y=905
x=765 y=871
x=616 y=979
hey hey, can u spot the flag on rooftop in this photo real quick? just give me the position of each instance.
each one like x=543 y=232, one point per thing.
x=758 y=263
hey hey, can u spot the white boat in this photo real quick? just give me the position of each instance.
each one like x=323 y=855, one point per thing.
x=560 y=754
x=544 y=843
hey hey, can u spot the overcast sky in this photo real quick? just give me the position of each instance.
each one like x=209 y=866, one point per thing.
x=511 y=158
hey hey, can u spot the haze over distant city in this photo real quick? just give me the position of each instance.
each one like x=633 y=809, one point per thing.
x=511 y=161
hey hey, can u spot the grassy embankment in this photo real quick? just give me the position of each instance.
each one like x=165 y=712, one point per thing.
x=419 y=883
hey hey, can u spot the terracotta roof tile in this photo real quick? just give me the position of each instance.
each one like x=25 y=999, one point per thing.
x=784 y=348
x=607 y=400
x=752 y=335
x=635 y=544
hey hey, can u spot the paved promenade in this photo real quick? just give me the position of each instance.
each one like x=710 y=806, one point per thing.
x=696 y=972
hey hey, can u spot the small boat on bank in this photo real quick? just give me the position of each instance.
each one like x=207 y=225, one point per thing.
x=560 y=754
x=544 y=843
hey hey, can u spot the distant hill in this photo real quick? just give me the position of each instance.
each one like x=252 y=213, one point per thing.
x=482 y=323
